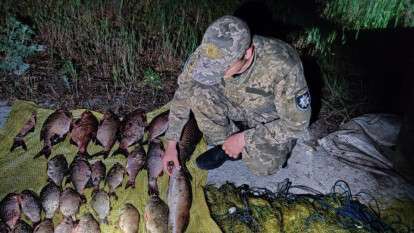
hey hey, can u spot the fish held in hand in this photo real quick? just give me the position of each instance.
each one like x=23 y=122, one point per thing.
x=154 y=165
x=98 y=174
x=156 y=215
x=131 y=131
x=129 y=219
x=27 y=128
x=135 y=162
x=83 y=131
x=189 y=139
x=158 y=125
x=106 y=135
x=57 y=168
x=10 y=209
x=49 y=198
x=101 y=205
x=179 y=201
x=31 y=205
x=54 y=130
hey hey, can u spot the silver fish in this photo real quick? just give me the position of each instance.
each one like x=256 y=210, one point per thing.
x=101 y=205
x=135 y=162
x=31 y=206
x=129 y=219
x=49 y=197
x=57 y=168
x=156 y=215
x=69 y=203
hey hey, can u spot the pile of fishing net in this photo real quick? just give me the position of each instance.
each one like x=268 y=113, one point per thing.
x=244 y=209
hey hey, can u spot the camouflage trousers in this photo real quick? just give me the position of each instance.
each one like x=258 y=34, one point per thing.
x=218 y=118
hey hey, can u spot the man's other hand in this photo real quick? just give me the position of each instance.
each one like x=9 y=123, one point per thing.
x=234 y=145
x=171 y=155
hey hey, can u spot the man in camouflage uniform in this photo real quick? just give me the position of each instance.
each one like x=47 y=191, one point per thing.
x=234 y=77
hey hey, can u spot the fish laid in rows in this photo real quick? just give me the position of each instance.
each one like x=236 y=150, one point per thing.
x=154 y=165
x=131 y=131
x=87 y=224
x=158 y=126
x=45 y=226
x=83 y=131
x=101 y=205
x=49 y=197
x=27 y=128
x=179 y=200
x=115 y=177
x=31 y=205
x=80 y=174
x=54 y=130
x=57 y=168
x=66 y=226
x=129 y=219
x=22 y=227
x=10 y=209
x=189 y=139
x=106 y=135
x=69 y=203
x=156 y=215
x=98 y=174
x=135 y=162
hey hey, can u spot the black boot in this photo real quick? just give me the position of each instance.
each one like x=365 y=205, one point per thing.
x=213 y=158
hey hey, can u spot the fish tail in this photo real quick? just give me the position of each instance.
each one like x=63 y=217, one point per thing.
x=83 y=198
x=152 y=187
x=84 y=154
x=113 y=194
x=104 y=221
x=45 y=151
x=18 y=142
x=130 y=184
x=104 y=153
x=121 y=151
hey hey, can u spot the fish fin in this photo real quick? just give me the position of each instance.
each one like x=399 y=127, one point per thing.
x=104 y=153
x=45 y=151
x=18 y=142
x=130 y=184
x=121 y=151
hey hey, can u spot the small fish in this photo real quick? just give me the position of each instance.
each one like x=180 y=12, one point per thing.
x=22 y=227
x=129 y=219
x=30 y=205
x=179 y=201
x=66 y=226
x=10 y=209
x=156 y=215
x=69 y=203
x=154 y=165
x=98 y=173
x=83 y=131
x=57 y=168
x=131 y=131
x=87 y=224
x=27 y=128
x=158 y=126
x=45 y=226
x=54 y=130
x=80 y=174
x=115 y=177
x=107 y=133
x=136 y=161
x=189 y=139
x=49 y=197
x=101 y=205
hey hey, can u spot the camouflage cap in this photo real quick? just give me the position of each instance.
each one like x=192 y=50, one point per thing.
x=224 y=41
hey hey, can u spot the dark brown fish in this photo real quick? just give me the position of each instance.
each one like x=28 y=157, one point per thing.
x=136 y=161
x=66 y=226
x=179 y=200
x=98 y=173
x=190 y=137
x=107 y=133
x=100 y=203
x=54 y=130
x=83 y=131
x=45 y=226
x=69 y=203
x=156 y=215
x=49 y=197
x=158 y=125
x=131 y=131
x=154 y=165
x=80 y=174
x=57 y=168
x=129 y=219
x=22 y=227
x=10 y=209
x=31 y=205
x=27 y=128
x=87 y=224
x=115 y=177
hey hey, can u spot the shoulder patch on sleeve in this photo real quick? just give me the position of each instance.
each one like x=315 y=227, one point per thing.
x=303 y=101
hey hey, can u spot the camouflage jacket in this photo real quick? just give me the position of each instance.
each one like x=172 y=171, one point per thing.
x=272 y=93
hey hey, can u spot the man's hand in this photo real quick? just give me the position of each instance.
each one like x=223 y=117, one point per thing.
x=171 y=155
x=234 y=145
